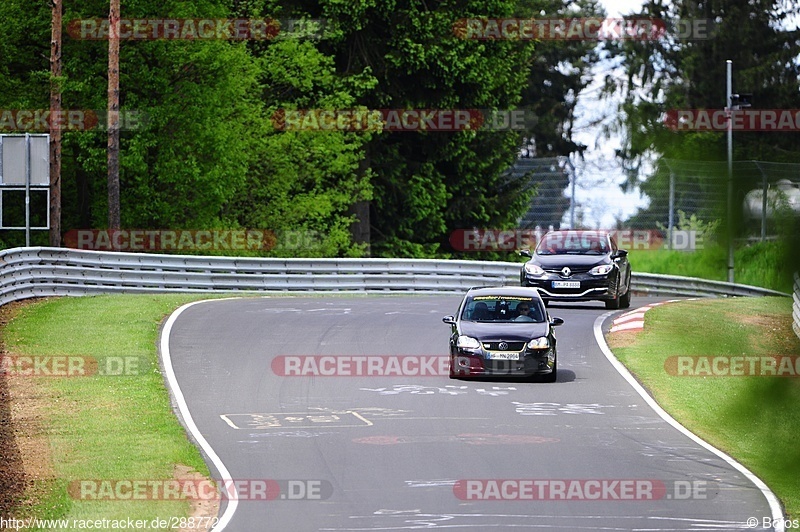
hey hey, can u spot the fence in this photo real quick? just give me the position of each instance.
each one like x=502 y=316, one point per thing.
x=796 y=305
x=33 y=272
x=700 y=188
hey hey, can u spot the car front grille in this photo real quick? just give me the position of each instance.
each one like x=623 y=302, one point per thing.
x=495 y=346
x=573 y=269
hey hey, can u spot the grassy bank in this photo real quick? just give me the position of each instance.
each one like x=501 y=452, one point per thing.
x=761 y=264
x=97 y=427
x=755 y=419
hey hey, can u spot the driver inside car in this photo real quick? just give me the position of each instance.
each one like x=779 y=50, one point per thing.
x=526 y=313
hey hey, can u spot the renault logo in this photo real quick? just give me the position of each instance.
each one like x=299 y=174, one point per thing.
x=566 y=272
x=503 y=346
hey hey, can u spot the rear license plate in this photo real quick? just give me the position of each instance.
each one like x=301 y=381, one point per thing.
x=502 y=356
x=566 y=284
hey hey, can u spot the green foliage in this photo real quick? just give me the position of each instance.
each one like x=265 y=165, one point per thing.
x=764 y=264
x=691 y=74
x=704 y=230
x=207 y=154
x=428 y=184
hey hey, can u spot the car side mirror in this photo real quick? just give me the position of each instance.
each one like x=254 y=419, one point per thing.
x=525 y=253
x=556 y=321
x=620 y=253
x=450 y=320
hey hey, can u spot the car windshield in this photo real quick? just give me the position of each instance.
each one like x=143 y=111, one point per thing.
x=573 y=243
x=502 y=308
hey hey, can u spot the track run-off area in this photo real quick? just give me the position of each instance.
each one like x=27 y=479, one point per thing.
x=381 y=439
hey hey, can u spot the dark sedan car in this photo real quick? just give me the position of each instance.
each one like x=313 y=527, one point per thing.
x=579 y=266
x=503 y=331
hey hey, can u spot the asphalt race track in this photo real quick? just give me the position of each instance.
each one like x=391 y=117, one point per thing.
x=409 y=452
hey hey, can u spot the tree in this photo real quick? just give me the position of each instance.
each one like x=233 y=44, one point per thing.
x=671 y=73
x=428 y=184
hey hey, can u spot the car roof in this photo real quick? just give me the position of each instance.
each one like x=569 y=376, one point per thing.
x=598 y=232
x=510 y=290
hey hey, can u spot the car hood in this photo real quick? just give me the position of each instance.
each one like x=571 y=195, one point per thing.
x=520 y=332
x=559 y=261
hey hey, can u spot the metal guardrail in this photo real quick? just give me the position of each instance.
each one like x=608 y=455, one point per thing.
x=796 y=305
x=42 y=271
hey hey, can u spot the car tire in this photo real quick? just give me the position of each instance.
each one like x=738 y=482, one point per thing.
x=613 y=304
x=625 y=301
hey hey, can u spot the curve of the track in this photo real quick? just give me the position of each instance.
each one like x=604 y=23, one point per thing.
x=385 y=453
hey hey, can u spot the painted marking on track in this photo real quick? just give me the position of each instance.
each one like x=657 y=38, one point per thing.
x=634 y=319
x=429 y=483
x=283 y=420
x=470 y=439
x=416 y=389
x=553 y=409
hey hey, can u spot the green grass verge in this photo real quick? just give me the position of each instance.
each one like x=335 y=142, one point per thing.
x=755 y=419
x=103 y=427
x=762 y=264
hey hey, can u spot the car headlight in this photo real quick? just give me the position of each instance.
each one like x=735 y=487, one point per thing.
x=602 y=269
x=539 y=343
x=533 y=269
x=467 y=342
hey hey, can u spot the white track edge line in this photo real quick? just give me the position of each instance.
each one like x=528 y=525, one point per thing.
x=772 y=500
x=188 y=421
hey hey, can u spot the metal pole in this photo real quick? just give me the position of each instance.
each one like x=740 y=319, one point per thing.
x=764 y=190
x=27 y=190
x=54 y=209
x=572 y=201
x=113 y=115
x=671 y=215
x=729 y=107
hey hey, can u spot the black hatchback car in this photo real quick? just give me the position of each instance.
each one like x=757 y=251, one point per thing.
x=579 y=266
x=503 y=331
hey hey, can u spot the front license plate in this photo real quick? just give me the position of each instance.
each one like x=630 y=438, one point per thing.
x=566 y=284
x=502 y=356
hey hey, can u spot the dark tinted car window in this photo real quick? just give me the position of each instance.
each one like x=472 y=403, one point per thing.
x=502 y=309
x=573 y=243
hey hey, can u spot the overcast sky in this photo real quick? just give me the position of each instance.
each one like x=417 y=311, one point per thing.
x=597 y=186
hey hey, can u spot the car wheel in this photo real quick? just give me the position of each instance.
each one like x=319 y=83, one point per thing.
x=613 y=303
x=625 y=301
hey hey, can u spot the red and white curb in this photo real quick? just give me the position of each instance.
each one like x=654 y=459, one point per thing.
x=634 y=320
